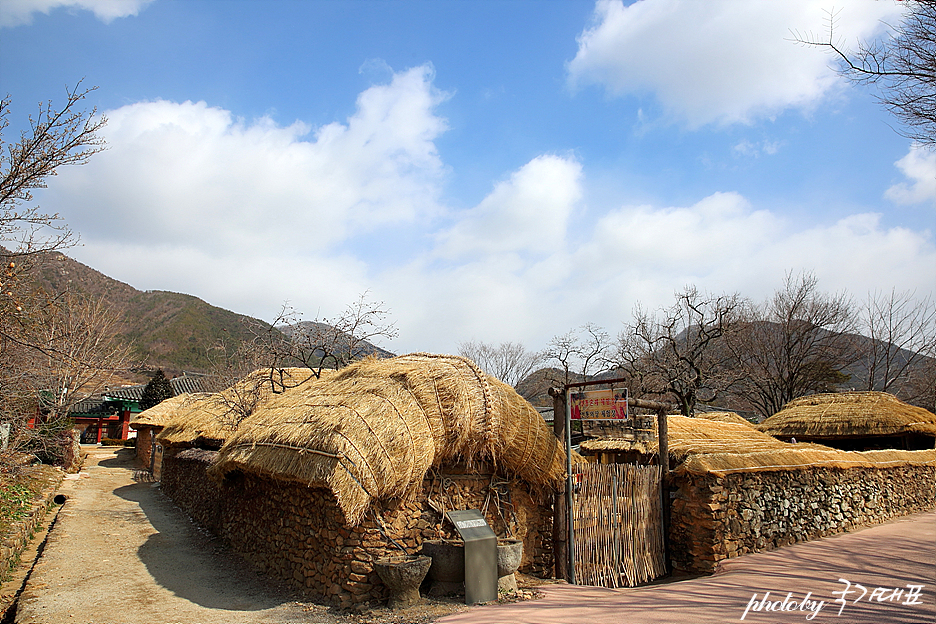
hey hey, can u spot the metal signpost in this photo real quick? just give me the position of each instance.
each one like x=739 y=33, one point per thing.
x=480 y=555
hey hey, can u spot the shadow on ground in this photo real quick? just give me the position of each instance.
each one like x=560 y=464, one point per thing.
x=193 y=564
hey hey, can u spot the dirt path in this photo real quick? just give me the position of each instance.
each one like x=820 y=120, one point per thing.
x=120 y=552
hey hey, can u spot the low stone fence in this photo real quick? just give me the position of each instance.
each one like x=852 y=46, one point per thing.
x=717 y=516
x=17 y=538
x=298 y=533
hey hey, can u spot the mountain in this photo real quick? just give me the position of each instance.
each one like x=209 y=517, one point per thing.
x=167 y=330
x=315 y=333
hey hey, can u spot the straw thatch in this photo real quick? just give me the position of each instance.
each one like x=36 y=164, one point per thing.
x=208 y=419
x=730 y=417
x=802 y=457
x=372 y=430
x=687 y=436
x=851 y=414
x=159 y=414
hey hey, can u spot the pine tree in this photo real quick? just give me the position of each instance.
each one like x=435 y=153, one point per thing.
x=156 y=391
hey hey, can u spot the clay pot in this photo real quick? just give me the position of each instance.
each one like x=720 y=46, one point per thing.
x=402 y=575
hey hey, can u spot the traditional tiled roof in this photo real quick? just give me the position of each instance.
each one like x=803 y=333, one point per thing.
x=183 y=384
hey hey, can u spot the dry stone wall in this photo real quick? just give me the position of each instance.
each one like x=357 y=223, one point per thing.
x=715 y=518
x=298 y=533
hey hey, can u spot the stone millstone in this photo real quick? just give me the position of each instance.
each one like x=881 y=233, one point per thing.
x=403 y=575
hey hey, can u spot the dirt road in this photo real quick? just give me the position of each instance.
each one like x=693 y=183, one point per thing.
x=121 y=553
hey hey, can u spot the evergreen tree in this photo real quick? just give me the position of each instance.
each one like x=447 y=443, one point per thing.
x=156 y=391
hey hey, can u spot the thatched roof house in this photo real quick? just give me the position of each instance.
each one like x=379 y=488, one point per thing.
x=372 y=430
x=207 y=419
x=686 y=436
x=854 y=421
x=159 y=414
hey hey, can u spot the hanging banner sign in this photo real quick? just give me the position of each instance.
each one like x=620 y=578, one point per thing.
x=608 y=404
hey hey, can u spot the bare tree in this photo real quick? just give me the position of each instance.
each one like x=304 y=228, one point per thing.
x=242 y=377
x=903 y=66
x=580 y=352
x=509 y=361
x=794 y=344
x=64 y=352
x=679 y=350
x=56 y=137
x=45 y=343
x=902 y=332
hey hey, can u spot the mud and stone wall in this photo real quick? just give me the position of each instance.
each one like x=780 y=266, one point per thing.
x=144 y=445
x=715 y=518
x=21 y=531
x=298 y=533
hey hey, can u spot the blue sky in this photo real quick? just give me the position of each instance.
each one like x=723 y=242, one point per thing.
x=502 y=170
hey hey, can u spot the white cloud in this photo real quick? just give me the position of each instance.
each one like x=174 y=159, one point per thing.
x=188 y=174
x=248 y=215
x=919 y=167
x=719 y=61
x=19 y=12
x=528 y=212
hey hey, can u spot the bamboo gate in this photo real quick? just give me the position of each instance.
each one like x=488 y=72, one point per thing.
x=610 y=522
x=617 y=525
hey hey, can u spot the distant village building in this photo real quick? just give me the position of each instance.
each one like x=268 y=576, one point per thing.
x=854 y=421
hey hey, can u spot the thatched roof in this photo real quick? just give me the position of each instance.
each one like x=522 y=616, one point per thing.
x=802 y=457
x=731 y=417
x=372 y=430
x=159 y=414
x=849 y=414
x=688 y=436
x=201 y=421
x=208 y=419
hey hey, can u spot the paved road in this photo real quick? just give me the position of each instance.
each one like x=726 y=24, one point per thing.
x=889 y=556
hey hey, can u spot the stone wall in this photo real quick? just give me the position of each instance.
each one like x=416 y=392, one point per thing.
x=144 y=445
x=298 y=533
x=715 y=518
x=15 y=541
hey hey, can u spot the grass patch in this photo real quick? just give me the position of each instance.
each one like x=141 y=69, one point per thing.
x=18 y=489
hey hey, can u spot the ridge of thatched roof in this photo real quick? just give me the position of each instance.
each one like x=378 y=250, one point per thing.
x=849 y=414
x=159 y=414
x=802 y=457
x=731 y=417
x=689 y=436
x=372 y=430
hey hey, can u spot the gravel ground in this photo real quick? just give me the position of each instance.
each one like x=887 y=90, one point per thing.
x=121 y=553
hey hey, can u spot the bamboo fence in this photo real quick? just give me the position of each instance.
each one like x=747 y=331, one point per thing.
x=618 y=526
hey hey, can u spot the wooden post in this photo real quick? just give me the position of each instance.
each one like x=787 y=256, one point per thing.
x=560 y=503
x=663 y=444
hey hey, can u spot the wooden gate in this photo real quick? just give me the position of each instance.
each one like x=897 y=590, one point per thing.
x=617 y=525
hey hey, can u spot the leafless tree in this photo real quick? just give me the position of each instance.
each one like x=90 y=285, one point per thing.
x=509 y=361
x=54 y=348
x=795 y=343
x=64 y=353
x=241 y=377
x=903 y=66
x=902 y=332
x=56 y=137
x=580 y=352
x=679 y=351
